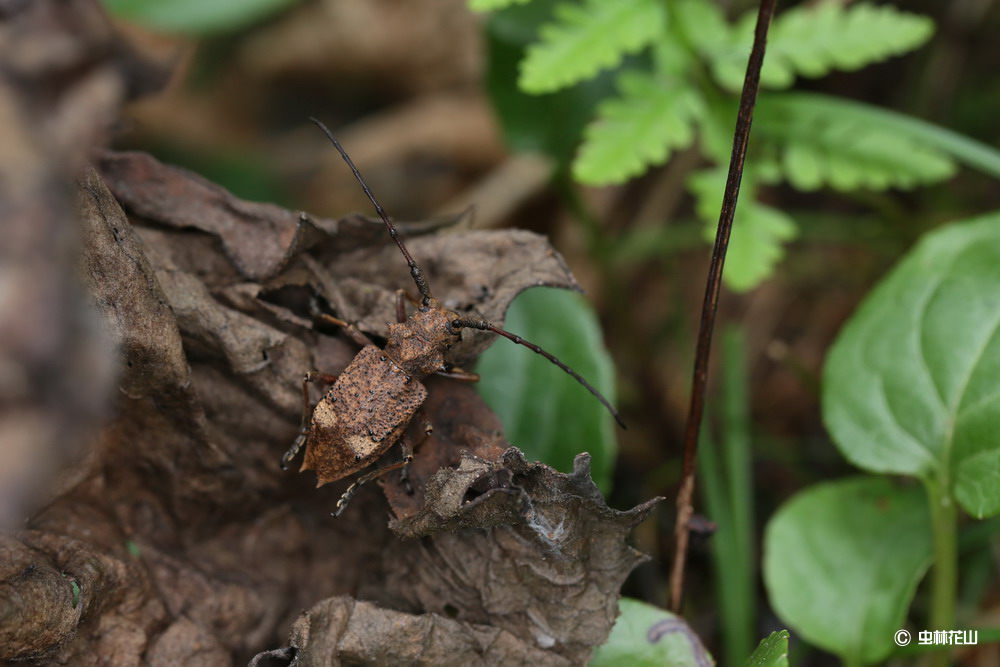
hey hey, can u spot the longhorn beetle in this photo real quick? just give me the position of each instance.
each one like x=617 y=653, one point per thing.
x=375 y=398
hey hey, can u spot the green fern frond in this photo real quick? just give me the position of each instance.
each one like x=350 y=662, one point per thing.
x=756 y=241
x=650 y=117
x=963 y=149
x=701 y=24
x=493 y=5
x=586 y=38
x=814 y=144
x=671 y=57
x=812 y=40
x=756 y=245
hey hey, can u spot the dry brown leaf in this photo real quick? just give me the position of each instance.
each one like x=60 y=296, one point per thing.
x=517 y=563
x=176 y=539
x=342 y=630
x=188 y=545
x=476 y=273
x=548 y=566
x=259 y=238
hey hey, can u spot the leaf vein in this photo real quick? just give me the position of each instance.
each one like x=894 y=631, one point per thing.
x=922 y=348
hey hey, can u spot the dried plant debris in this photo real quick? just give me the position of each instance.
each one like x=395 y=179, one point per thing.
x=179 y=541
x=63 y=79
x=524 y=565
x=475 y=273
x=344 y=631
x=259 y=239
x=511 y=542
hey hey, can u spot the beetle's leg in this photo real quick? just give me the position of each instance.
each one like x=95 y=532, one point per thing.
x=403 y=294
x=367 y=477
x=401 y=305
x=354 y=333
x=456 y=373
x=304 y=424
x=364 y=479
x=408 y=449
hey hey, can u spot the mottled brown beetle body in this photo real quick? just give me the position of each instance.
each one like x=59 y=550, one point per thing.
x=373 y=401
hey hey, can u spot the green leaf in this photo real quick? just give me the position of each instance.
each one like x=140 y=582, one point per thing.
x=921 y=134
x=647 y=636
x=650 y=117
x=755 y=243
x=910 y=385
x=493 y=5
x=842 y=561
x=701 y=24
x=725 y=477
x=979 y=490
x=715 y=132
x=771 y=652
x=545 y=412
x=588 y=37
x=195 y=16
x=811 y=40
x=816 y=145
x=550 y=123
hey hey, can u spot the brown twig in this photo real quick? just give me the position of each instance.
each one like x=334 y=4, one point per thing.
x=710 y=305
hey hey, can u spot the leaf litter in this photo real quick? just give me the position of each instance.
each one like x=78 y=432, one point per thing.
x=175 y=538
x=477 y=563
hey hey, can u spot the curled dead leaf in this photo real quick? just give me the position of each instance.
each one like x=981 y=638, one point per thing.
x=340 y=631
x=200 y=549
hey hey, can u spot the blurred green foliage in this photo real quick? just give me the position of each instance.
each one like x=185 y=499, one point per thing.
x=545 y=412
x=675 y=66
x=550 y=123
x=196 y=17
x=725 y=477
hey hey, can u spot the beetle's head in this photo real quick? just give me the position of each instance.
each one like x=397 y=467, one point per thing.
x=420 y=343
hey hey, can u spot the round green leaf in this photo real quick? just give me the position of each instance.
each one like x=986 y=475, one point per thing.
x=545 y=412
x=842 y=560
x=647 y=636
x=979 y=490
x=910 y=386
x=771 y=652
x=195 y=16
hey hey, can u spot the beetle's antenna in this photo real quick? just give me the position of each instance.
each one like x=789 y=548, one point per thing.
x=483 y=325
x=418 y=275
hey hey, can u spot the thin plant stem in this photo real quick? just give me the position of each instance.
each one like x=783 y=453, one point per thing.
x=944 y=573
x=685 y=509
